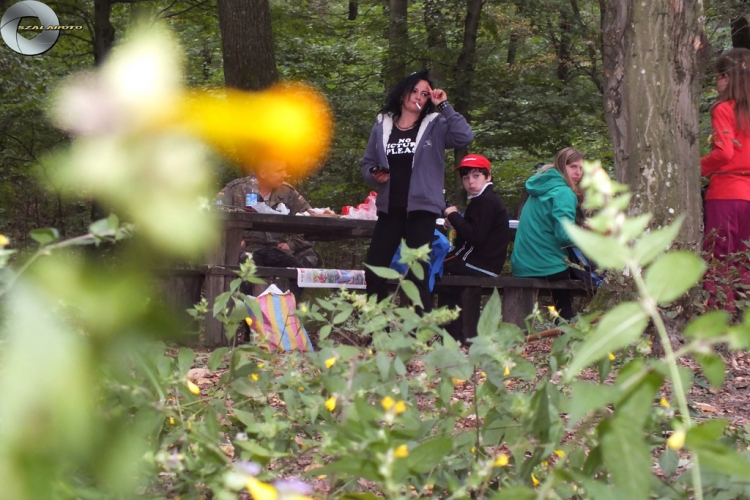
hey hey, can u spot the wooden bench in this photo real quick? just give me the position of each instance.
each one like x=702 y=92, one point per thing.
x=519 y=294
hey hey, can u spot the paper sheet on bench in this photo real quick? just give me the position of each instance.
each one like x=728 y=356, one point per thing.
x=330 y=278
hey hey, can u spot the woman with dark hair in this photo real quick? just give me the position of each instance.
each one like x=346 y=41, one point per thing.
x=405 y=160
x=728 y=168
x=539 y=248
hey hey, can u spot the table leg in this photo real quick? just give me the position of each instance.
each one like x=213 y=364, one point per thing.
x=471 y=298
x=517 y=304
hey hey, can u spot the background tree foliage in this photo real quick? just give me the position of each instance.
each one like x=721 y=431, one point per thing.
x=530 y=80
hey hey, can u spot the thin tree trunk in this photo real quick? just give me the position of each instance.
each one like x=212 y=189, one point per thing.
x=654 y=57
x=740 y=33
x=104 y=32
x=461 y=93
x=398 y=42
x=247 y=44
x=436 y=43
x=512 y=48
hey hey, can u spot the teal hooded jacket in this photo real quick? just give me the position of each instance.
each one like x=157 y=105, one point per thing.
x=539 y=248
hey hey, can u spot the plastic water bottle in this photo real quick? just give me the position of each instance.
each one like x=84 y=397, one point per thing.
x=252 y=197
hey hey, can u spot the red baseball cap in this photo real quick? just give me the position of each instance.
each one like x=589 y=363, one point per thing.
x=474 y=161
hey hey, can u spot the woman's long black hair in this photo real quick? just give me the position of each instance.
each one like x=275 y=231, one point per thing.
x=404 y=87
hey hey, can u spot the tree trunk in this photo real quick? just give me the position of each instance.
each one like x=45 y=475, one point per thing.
x=398 y=42
x=247 y=44
x=461 y=92
x=436 y=43
x=104 y=32
x=654 y=58
x=740 y=33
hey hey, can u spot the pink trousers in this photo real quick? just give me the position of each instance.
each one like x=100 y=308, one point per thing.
x=726 y=250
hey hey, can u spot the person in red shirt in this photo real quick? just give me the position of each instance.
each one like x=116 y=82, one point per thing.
x=728 y=169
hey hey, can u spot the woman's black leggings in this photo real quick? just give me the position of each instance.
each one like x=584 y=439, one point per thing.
x=417 y=228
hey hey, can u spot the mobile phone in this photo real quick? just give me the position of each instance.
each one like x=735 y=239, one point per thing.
x=379 y=169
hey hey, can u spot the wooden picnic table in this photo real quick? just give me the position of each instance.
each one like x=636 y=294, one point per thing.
x=227 y=253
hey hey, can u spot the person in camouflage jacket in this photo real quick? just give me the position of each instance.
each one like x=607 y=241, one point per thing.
x=268 y=248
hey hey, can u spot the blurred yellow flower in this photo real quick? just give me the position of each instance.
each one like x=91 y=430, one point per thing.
x=322 y=476
x=482 y=374
x=676 y=440
x=545 y=463
x=473 y=450
x=331 y=403
x=457 y=381
x=502 y=460
x=171 y=421
x=193 y=388
x=387 y=403
x=301 y=389
x=4 y=240
x=290 y=122
x=611 y=356
x=560 y=453
x=330 y=362
x=260 y=490
x=506 y=372
x=401 y=451
x=249 y=321
x=534 y=480
x=261 y=365
x=399 y=408
x=303 y=308
x=254 y=376
x=553 y=312
x=664 y=402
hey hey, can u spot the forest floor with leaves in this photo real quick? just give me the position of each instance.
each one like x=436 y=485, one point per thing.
x=731 y=402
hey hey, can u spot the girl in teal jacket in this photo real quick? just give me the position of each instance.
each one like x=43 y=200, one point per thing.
x=539 y=249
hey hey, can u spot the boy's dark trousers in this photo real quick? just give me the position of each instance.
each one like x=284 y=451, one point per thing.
x=417 y=228
x=452 y=297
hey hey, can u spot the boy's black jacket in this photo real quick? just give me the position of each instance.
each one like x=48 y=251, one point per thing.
x=482 y=234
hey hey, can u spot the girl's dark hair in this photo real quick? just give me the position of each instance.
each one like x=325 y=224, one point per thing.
x=404 y=87
x=463 y=171
x=735 y=64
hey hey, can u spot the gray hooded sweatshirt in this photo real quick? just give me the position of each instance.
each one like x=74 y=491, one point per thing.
x=438 y=132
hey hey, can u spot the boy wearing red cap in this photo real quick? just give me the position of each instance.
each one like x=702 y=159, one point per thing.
x=482 y=234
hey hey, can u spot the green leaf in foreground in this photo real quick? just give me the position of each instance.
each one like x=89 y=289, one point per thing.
x=619 y=327
x=672 y=275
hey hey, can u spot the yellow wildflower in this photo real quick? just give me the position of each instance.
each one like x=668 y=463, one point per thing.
x=545 y=463
x=303 y=308
x=322 y=476
x=4 y=240
x=507 y=371
x=171 y=421
x=457 y=381
x=534 y=480
x=502 y=460
x=664 y=402
x=483 y=375
x=676 y=440
x=249 y=321
x=331 y=403
x=301 y=389
x=369 y=351
x=560 y=453
x=401 y=451
x=473 y=450
x=254 y=376
x=553 y=312
x=400 y=408
x=260 y=490
x=387 y=403
x=611 y=356
x=193 y=388
x=261 y=365
x=330 y=362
